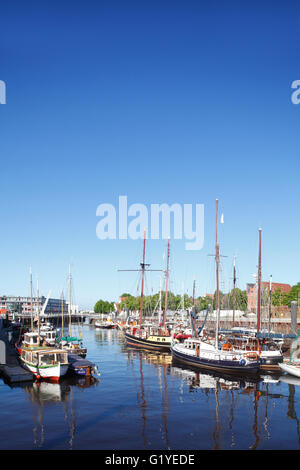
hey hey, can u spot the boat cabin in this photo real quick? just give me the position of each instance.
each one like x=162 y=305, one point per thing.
x=31 y=339
x=44 y=357
x=191 y=343
x=49 y=336
x=248 y=343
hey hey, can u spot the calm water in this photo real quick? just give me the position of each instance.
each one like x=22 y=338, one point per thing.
x=143 y=401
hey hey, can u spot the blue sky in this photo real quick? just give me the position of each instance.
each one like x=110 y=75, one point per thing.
x=163 y=102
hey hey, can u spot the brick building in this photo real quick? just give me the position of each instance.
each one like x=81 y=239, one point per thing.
x=251 y=291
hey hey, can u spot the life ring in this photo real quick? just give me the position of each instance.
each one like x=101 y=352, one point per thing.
x=252 y=355
x=227 y=347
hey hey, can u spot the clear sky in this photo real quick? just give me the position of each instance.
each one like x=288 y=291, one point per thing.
x=162 y=101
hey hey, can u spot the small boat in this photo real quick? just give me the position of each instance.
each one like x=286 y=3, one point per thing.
x=74 y=345
x=107 y=324
x=44 y=362
x=80 y=366
x=292 y=368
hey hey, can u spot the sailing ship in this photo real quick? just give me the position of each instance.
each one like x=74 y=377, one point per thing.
x=196 y=352
x=154 y=336
x=256 y=340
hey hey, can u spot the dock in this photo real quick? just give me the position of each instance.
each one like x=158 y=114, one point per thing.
x=10 y=367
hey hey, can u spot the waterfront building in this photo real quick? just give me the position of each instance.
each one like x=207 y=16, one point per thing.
x=251 y=291
x=22 y=306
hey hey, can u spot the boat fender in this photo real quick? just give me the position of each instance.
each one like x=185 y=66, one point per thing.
x=243 y=362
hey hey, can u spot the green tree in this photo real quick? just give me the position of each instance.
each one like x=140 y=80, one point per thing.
x=238 y=299
x=277 y=297
x=103 y=306
x=203 y=303
x=293 y=295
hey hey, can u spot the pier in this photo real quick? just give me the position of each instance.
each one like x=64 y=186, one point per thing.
x=10 y=367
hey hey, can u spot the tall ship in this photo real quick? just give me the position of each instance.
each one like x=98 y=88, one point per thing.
x=256 y=340
x=150 y=336
x=197 y=352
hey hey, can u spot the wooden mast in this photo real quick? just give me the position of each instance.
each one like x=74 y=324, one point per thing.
x=259 y=281
x=167 y=278
x=31 y=303
x=143 y=275
x=270 y=303
x=70 y=300
x=38 y=311
x=143 y=269
x=217 y=278
x=234 y=283
x=194 y=289
x=62 y=313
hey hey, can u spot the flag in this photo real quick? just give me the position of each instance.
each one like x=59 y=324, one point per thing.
x=222 y=219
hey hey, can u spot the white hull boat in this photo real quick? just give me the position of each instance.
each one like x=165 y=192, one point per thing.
x=49 y=372
x=292 y=368
x=45 y=363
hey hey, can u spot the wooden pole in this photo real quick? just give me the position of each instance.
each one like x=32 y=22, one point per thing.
x=217 y=278
x=234 y=282
x=31 y=302
x=259 y=281
x=38 y=311
x=270 y=304
x=167 y=278
x=143 y=275
x=70 y=298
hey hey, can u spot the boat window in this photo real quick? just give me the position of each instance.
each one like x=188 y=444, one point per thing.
x=61 y=358
x=46 y=359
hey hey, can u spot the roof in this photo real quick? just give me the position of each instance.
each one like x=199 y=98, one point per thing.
x=70 y=338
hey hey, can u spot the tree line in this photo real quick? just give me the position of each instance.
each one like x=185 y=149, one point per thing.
x=236 y=299
x=151 y=303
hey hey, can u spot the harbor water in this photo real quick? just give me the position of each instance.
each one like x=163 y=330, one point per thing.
x=143 y=400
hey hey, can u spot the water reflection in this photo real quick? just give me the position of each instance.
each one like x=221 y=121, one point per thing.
x=292 y=382
x=161 y=363
x=105 y=336
x=253 y=398
x=44 y=394
x=148 y=401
